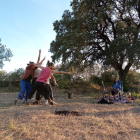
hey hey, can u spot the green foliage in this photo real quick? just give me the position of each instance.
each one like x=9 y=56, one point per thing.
x=10 y=89
x=133 y=77
x=98 y=31
x=108 y=77
x=132 y=81
x=79 y=84
x=5 y=54
x=10 y=82
x=63 y=81
x=95 y=79
x=133 y=94
x=16 y=75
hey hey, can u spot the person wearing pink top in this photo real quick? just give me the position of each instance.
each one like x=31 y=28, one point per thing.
x=40 y=94
x=42 y=79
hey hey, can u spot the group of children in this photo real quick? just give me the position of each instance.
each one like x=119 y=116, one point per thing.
x=40 y=82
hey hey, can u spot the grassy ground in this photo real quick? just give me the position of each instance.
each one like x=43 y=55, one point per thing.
x=39 y=122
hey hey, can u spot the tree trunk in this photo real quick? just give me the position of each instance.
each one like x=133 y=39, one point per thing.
x=123 y=73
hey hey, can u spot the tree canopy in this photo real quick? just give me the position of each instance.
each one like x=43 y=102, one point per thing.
x=5 y=54
x=99 y=31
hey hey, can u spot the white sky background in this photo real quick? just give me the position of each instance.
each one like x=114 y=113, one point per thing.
x=27 y=26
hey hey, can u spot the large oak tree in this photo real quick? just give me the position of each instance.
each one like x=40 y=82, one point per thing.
x=99 y=30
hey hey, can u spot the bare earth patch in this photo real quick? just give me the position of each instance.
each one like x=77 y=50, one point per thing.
x=39 y=122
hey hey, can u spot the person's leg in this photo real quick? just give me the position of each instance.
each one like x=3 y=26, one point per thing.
x=46 y=93
x=113 y=94
x=28 y=89
x=121 y=94
x=39 y=93
x=109 y=95
x=51 y=92
x=33 y=89
x=22 y=92
x=33 y=81
x=45 y=90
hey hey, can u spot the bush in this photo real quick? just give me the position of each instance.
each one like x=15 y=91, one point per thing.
x=108 y=77
x=63 y=81
x=133 y=94
x=95 y=79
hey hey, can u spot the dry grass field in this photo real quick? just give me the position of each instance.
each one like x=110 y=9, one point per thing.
x=97 y=122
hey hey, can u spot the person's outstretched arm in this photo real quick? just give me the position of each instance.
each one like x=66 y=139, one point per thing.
x=57 y=67
x=60 y=72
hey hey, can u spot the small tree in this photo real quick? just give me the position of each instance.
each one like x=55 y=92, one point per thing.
x=5 y=54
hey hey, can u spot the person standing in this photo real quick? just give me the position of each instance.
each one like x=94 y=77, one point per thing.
x=42 y=79
x=25 y=82
x=39 y=93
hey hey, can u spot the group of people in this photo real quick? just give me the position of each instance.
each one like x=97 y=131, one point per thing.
x=118 y=91
x=40 y=77
x=40 y=82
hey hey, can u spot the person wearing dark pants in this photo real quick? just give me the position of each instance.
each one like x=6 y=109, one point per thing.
x=40 y=94
x=44 y=87
x=51 y=92
x=44 y=76
x=37 y=73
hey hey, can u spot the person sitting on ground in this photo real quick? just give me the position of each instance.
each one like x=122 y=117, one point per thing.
x=116 y=89
x=128 y=96
x=42 y=79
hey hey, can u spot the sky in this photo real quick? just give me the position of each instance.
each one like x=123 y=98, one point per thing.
x=27 y=26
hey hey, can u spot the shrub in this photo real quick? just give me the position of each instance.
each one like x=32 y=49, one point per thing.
x=133 y=94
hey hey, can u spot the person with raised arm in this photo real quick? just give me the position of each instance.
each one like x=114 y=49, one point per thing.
x=40 y=92
x=25 y=82
x=42 y=79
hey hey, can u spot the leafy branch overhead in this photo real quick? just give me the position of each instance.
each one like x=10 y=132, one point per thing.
x=99 y=31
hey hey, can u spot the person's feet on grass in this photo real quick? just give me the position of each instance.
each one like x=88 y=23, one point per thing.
x=40 y=102
x=26 y=103
x=46 y=103
x=49 y=102
x=35 y=103
x=15 y=102
x=54 y=103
